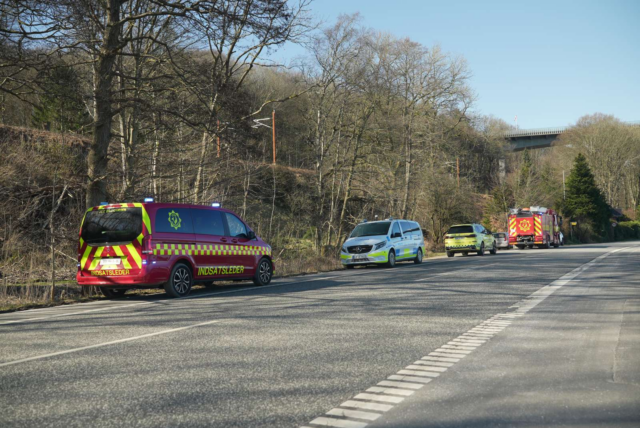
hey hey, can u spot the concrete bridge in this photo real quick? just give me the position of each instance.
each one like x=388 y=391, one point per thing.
x=521 y=139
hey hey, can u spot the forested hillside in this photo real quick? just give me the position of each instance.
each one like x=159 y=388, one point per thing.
x=117 y=101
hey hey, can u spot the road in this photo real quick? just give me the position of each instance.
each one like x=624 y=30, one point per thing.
x=527 y=338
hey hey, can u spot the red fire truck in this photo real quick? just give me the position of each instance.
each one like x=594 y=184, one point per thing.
x=534 y=226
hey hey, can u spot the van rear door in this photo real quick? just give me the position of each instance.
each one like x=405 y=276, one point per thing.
x=111 y=240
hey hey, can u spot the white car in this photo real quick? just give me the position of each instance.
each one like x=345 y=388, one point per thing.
x=383 y=242
x=502 y=240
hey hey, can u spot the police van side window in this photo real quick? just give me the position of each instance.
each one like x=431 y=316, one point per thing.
x=173 y=220
x=237 y=229
x=208 y=222
x=396 y=231
x=416 y=230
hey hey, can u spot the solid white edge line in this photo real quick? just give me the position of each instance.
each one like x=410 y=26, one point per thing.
x=113 y=342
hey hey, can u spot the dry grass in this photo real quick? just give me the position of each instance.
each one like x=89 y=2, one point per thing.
x=32 y=288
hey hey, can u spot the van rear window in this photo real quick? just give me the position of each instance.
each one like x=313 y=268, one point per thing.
x=460 y=229
x=112 y=225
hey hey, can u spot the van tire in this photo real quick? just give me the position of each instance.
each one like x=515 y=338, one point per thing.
x=264 y=272
x=418 y=258
x=112 y=293
x=180 y=281
x=349 y=266
x=450 y=253
x=391 y=259
x=494 y=250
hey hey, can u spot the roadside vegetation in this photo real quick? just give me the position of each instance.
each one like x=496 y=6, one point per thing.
x=162 y=99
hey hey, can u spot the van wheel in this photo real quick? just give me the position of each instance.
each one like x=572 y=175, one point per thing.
x=465 y=254
x=349 y=266
x=264 y=272
x=418 y=258
x=450 y=253
x=111 y=293
x=392 y=259
x=180 y=282
x=494 y=250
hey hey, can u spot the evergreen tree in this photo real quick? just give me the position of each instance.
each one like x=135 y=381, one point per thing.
x=585 y=202
x=61 y=107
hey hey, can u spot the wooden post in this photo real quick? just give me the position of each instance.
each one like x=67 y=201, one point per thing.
x=218 y=136
x=273 y=129
x=52 y=292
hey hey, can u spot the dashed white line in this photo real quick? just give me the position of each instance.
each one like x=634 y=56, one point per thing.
x=366 y=405
x=383 y=398
x=354 y=414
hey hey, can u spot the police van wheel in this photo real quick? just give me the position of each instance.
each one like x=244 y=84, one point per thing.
x=263 y=273
x=111 y=293
x=465 y=254
x=180 y=282
x=418 y=258
x=450 y=253
x=494 y=250
x=481 y=251
x=349 y=266
x=392 y=259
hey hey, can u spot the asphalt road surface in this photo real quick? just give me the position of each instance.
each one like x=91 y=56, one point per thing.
x=523 y=338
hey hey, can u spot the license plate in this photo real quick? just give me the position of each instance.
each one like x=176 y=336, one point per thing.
x=359 y=257
x=459 y=237
x=109 y=262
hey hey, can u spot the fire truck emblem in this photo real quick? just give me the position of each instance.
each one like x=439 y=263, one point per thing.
x=525 y=225
x=174 y=220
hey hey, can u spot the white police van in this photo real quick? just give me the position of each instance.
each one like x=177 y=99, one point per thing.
x=383 y=242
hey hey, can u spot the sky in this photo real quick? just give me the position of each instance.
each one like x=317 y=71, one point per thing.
x=546 y=62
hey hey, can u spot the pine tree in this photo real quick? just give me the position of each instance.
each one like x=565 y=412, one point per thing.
x=585 y=202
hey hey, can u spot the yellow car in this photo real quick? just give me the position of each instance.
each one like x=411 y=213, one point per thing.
x=466 y=238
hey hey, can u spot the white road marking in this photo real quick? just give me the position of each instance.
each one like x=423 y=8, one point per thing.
x=366 y=405
x=453 y=351
x=383 y=398
x=415 y=371
x=446 y=360
x=459 y=348
x=442 y=354
x=410 y=378
x=424 y=365
x=114 y=342
x=468 y=341
x=340 y=423
x=354 y=414
x=390 y=391
x=400 y=384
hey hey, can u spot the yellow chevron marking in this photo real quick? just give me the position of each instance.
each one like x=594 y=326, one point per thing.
x=96 y=260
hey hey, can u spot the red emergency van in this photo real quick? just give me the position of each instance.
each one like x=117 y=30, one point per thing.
x=146 y=245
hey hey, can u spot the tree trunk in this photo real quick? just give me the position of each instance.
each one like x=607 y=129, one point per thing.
x=103 y=111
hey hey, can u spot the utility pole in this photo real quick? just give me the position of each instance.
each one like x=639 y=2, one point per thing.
x=564 y=190
x=458 y=170
x=273 y=129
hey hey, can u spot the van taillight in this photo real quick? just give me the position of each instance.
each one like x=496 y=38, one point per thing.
x=146 y=245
